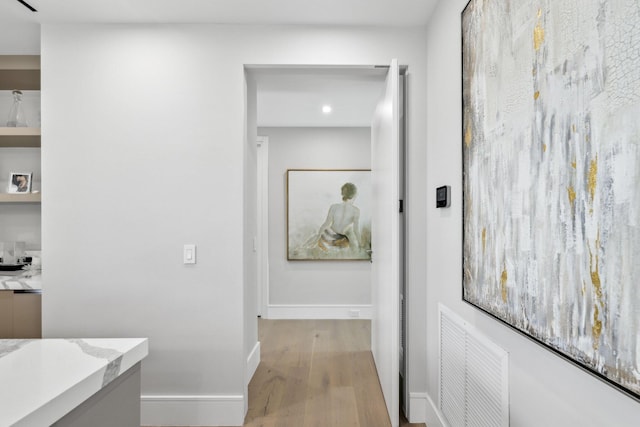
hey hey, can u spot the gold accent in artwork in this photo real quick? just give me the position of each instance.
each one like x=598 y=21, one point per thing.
x=574 y=165
x=572 y=195
x=503 y=284
x=536 y=95
x=538 y=33
x=596 y=329
x=592 y=178
x=544 y=148
x=538 y=37
x=595 y=273
x=595 y=279
x=468 y=136
x=484 y=239
x=597 y=288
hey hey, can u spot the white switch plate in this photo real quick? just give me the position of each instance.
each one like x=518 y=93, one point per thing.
x=189 y=254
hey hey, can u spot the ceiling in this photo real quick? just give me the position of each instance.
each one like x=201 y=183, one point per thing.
x=293 y=97
x=286 y=97
x=276 y=12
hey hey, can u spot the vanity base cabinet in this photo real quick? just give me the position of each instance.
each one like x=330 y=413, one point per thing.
x=20 y=315
x=6 y=314
x=27 y=315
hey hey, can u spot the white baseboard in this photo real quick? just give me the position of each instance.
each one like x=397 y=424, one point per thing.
x=417 y=407
x=433 y=415
x=336 y=311
x=252 y=362
x=201 y=410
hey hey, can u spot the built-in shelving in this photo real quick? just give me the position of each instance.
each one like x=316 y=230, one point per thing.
x=19 y=138
x=20 y=72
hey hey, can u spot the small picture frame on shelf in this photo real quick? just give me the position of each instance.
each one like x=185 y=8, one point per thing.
x=19 y=182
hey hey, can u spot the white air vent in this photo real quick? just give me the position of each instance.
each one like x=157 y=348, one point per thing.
x=474 y=387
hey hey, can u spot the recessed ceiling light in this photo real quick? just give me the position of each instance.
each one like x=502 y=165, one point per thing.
x=326 y=109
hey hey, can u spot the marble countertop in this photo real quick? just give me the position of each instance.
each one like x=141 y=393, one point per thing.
x=21 y=280
x=42 y=380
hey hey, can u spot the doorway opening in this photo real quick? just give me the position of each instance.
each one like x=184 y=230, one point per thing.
x=293 y=132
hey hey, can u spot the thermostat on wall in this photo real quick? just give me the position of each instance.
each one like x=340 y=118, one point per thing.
x=443 y=196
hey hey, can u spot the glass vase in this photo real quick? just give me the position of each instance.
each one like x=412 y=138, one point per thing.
x=17 y=117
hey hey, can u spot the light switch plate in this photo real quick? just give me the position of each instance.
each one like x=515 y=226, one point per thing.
x=189 y=254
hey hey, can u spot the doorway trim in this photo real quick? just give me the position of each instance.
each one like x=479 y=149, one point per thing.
x=262 y=240
x=263 y=226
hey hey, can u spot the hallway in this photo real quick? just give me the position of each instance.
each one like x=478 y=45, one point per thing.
x=316 y=373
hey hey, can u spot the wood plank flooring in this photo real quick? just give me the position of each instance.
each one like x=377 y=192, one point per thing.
x=316 y=373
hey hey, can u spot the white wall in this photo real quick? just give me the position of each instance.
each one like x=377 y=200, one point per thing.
x=20 y=39
x=335 y=286
x=149 y=120
x=545 y=389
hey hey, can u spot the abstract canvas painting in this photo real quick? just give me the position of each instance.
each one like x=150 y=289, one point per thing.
x=328 y=214
x=551 y=175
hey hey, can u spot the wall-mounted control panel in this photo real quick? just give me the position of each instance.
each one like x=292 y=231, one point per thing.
x=443 y=196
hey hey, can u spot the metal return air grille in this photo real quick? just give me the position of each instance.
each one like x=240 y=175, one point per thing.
x=474 y=388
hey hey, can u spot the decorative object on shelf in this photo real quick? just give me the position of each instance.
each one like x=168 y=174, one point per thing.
x=17 y=118
x=33 y=268
x=12 y=254
x=551 y=171
x=328 y=214
x=19 y=182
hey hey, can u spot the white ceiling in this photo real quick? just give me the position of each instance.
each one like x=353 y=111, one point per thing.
x=294 y=12
x=286 y=97
x=295 y=96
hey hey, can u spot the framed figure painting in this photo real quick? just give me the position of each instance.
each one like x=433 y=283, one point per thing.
x=328 y=214
x=19 y=182
x=551 y=176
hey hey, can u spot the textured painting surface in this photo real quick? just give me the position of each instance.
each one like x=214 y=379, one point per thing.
x=551 y=153
x=328 y=214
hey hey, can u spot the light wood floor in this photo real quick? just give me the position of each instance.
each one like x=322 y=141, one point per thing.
x=316 y=373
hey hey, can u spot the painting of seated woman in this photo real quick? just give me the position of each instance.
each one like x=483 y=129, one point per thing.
x=329 y=214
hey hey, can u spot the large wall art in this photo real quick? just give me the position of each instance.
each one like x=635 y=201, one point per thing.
x=551 y=176
x=328 y=214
